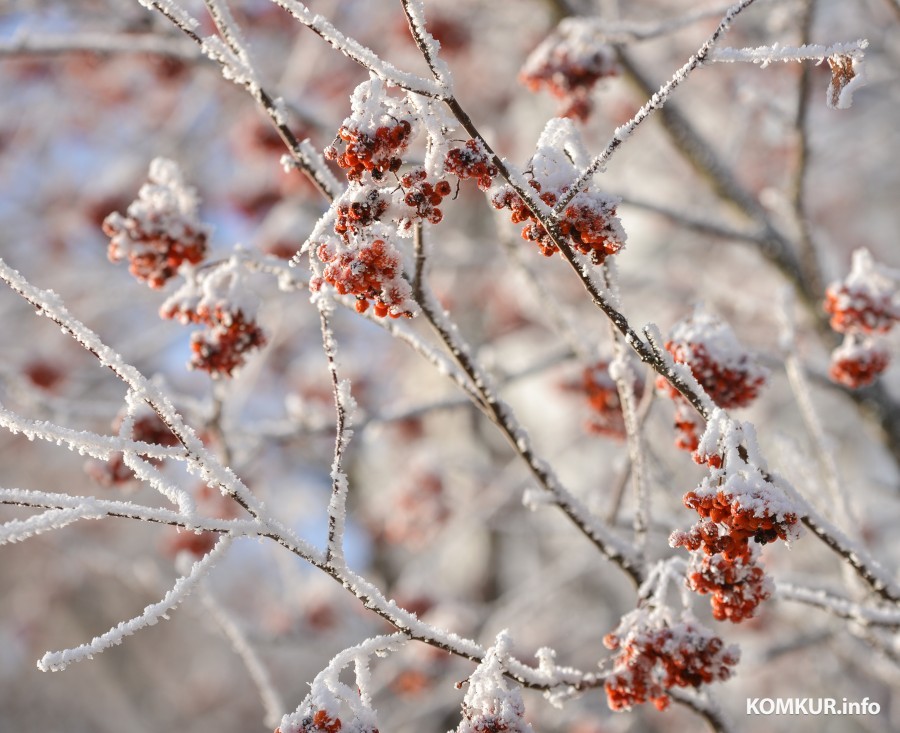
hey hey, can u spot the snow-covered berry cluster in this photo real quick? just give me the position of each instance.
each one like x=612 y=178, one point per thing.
x=654 y=655
x=318 y=721
x=738 y=503
x=569 y=63
x=471 y=161
x=369 y=270
x=589 y=223
x=375 y=136
x=865 y=303
x=218 y=299
x=161 y=229
x=422 y=198
x=418 y=509
x=492 y=704
x=728 y=373
x=736 y=585
x=358 y=208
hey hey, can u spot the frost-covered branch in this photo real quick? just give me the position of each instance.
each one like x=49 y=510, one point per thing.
x=93 y=507
x=841 y=607
x=765 y=55
x=656 y=102
x=502 y=415
x=58 y=661
x=302 y=155
x=49 y=44
x=360 y=54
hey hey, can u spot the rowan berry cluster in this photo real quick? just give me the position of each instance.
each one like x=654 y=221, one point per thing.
x=602 y=394
x=357 y=209
x=375 y=136
x=161 y=230
x=865 y=303
x=222 y=348
x=422 y=197
x=371 y=271
x=216 y=299
x=147 y=427
x=471 y=161
x=378 y=152
x=654 y=656
x=728 y=373
x=569 y=63
x=737 y=586
x=858 y=362
x=737 y=504
x=589 y=223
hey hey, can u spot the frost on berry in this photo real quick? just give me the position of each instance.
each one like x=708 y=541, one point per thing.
x=846 y=77
x=375 y=136
x=602 y=395
x=858 y=361
x=331 y=707
x=471 y=161
x=867 y=300
x=492 y=703
x=368 y=268
x=161 y=229
x=569 y=63
x=862 y=305
x=738 y=504
x=218 y=299
x=728 y=373
x=418 y=199
x=655 y=654
x=589 y=222
x=736 y=585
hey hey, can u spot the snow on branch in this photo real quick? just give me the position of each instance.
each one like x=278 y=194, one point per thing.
x=92 y=506
x=765 y=55
x=84 y=442
x=58 y=661
x=17 y=530
x=845 y=60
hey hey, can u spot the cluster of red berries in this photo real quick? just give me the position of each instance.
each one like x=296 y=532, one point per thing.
x=737 y=585
x=734 y=384
x=154 y=256
x=224 y=345
x=371 y=272
x=161 y=230
x=655 y=657
x=865 y=303
x=354 y=216
x=422 y=197
x=471 y=161
x=741 y=524
x=728 y=373
x=602 y=394
x=377 y=152
x=740 y=509
x=589 y=229
x=568 y=64
x=857 y=363
x=147 y=428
